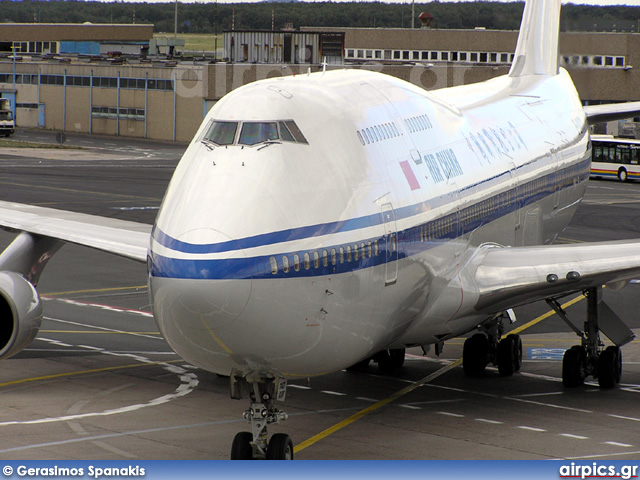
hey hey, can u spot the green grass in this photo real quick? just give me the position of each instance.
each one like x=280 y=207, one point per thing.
x=20 y=144
x=196 y=42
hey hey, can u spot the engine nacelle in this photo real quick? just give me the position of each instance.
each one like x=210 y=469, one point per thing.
x=20 y=313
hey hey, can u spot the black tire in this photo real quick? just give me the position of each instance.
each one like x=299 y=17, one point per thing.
x=573 y=367
x=508 y=361
x=241 y=448
x=474 y=355
x=361 y=365
x=518 y=347
x=609 y=367
x=390 y=361
x=280 y=447
x=622 y=175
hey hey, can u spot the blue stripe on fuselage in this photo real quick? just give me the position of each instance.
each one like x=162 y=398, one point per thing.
x=409 y=242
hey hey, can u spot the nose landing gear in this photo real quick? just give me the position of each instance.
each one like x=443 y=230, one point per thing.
x=263 y=392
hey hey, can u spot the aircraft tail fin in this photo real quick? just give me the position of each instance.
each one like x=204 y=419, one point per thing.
x=537 y=48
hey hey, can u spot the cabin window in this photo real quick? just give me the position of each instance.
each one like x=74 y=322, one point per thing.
x=307 y=261
x=348 y=253
x=376 y=249
x=296 y=262
x=274 y=265
x=316 y=260
x=285 y=264
x=369 y=252
x=325 y=258
x=355 y=252
x=334 y=258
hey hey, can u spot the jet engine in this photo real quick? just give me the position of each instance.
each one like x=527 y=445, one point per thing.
x=20 y=313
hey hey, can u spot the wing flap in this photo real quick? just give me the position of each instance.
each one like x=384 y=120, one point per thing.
x=120 y=237
x=611 y=111
x=508 y=277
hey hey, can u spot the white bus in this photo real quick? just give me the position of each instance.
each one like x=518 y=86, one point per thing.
x=615 y=158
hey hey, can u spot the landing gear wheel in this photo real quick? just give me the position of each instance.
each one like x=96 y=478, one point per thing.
x=573 y=366
x=361 y=365
x=280 y=447
x=509 y=355
x=241 y=448
x=518 y=346
x=390 y=360
x=474 y=355
x=609 y=367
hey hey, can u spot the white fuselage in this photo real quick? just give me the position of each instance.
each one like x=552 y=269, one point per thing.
x=302 y=258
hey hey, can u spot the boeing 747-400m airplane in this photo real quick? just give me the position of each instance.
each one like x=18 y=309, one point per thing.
x=318 y=221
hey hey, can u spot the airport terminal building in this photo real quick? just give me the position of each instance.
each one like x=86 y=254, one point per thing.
x=61 y=80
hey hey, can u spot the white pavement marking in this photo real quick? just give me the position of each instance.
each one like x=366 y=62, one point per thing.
x=492 y=422
x=570 y=435
x=616 y=444
x=189 y=381
x=531 y=429
x=100 y=306
x=104 y=329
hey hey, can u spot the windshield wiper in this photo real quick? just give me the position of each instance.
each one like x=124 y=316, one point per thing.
x=266 y=143
x=208 y=143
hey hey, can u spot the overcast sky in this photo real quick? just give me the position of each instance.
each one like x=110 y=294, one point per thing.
x=588 y=2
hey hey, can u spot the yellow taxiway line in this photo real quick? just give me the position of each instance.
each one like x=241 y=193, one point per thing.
x=413 y=386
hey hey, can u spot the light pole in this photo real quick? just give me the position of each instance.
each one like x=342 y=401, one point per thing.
x=175 y=22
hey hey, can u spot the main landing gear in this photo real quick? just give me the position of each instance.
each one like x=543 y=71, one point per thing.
x=263 y=392
x=488 y=346
x=389 y=361
x=590 y=358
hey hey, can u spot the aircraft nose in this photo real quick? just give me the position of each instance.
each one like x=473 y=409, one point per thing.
x=195 y=304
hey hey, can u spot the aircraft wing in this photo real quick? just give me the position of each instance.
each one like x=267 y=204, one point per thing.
x=611 y=111
x=508 y=277
x=120 y=237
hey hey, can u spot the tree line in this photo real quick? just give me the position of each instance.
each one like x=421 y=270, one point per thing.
x=215 y=18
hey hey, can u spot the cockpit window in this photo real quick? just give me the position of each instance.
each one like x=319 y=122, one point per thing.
x=285 y=134
x=252 y=133
x=222 y=133
x=295 y=131
x=258 y=132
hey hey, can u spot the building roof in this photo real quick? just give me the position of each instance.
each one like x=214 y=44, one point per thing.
x=56 y=32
